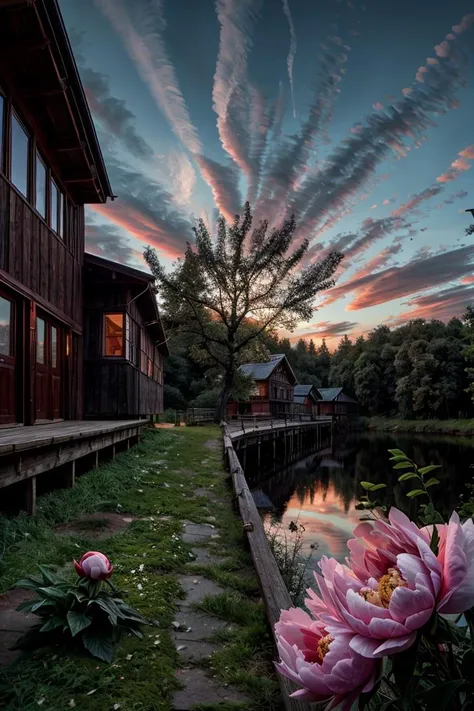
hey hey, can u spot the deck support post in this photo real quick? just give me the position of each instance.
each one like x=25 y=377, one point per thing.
x=70 y=477
x=113 y=451
x=31 y=495
x=96 y=459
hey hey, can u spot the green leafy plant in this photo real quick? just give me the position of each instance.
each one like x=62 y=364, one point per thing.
x=87 y=613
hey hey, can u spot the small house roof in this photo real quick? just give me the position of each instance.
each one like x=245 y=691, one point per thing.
x=302 y=391
x=143 y=281
x=262 y=371
x=330 y=394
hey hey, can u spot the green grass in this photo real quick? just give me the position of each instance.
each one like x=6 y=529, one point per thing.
x=387 y=424
x=154 y=483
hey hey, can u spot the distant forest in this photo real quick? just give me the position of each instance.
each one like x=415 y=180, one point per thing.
x=421 y=370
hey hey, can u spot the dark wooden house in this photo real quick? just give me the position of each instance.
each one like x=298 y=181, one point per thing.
x=306 y=399
x=51 y=165
x=336 y=403
x=124 y=341
x=273 y=390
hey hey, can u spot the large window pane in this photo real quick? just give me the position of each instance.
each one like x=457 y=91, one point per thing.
x=5 y=326
x=54 y=347
x=113 y=334
x=40 y=186
x=61 y=214
x=40 y=331
x=54 y=207
x=20 y=143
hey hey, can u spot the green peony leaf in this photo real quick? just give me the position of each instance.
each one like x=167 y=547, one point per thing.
x=430 y=468
x=77 y=622
x=409 y=475
x=397 y=452
x=376 y=487
x=431 y=482
x=367 y=485
x=52 y=623
x=416 y=492
x=98 y=645
x=403 y=465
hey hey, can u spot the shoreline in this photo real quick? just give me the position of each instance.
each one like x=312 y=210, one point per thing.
x=388 y=424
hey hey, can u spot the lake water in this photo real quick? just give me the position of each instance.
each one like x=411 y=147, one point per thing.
x=320 y=491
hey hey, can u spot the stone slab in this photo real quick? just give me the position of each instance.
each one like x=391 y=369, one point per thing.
x=197 y=532
x=201 y=626
x=194 y=650
x=201 y=689
x=205 y=557
x=7 y=640
x=197 y=588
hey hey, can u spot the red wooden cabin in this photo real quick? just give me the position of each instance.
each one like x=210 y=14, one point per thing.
x=273 y=390
x=306 y=399
x=335 y=403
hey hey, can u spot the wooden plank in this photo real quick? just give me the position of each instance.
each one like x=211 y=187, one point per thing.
x=33 y=465
x=274 y=593
x=24 y=438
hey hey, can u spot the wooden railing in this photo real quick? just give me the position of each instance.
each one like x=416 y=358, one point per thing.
x=274 y=592
x=250 y=423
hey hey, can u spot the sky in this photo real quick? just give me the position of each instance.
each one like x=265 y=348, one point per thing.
x=356 y=118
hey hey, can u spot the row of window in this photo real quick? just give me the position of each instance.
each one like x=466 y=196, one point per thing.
x=123 y=339
x=18 y=162
x=46 y=336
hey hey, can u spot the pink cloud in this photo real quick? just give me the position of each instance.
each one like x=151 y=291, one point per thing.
x=464 y=25
x=292 y=53
x=443 y=49
x=432 y=61
x=418 y=275
x=468 y=152
x=450 y=36
x=386 y=202
x=416 y=200
x=468 y=279
x=378 y=106
x=142 y=35
x=357 y=128
x=407 y=91
x=420 y=72
x=373 y=207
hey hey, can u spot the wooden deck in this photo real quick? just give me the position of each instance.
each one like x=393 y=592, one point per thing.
x=27 y=452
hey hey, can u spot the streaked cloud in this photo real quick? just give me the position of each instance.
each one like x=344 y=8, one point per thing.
x=141 y=24
x=292 y=52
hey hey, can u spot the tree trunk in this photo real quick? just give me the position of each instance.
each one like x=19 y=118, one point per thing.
x=220 y=414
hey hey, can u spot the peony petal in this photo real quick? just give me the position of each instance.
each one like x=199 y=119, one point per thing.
x=394 y=646
x=365 y=646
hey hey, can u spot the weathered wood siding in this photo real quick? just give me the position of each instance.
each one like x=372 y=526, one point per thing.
x=47 y=267
x=115 y=387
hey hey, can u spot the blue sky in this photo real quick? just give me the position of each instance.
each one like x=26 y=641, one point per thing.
x=357 y=117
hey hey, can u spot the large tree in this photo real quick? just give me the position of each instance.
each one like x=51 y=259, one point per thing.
x=230 y=291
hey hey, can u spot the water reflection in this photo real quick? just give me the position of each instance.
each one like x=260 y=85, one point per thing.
x=321 y=490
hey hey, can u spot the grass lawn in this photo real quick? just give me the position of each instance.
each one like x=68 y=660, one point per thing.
x=154 y=484
x=387 y=424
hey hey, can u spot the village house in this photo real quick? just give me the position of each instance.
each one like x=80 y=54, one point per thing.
x=336 y=403
x=306 y=399
x=273 y=390
x=80 y=336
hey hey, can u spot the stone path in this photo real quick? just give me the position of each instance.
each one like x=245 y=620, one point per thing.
x=12 y=623
x=193 y=629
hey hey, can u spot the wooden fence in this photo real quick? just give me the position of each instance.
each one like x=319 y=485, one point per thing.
x=274 y=592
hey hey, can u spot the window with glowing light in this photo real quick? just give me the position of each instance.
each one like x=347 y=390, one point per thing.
x=114 y=335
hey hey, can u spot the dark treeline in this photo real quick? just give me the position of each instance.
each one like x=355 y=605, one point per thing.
x=424 y=369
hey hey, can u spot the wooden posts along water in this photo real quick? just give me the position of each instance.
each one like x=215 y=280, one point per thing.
x=274 y=592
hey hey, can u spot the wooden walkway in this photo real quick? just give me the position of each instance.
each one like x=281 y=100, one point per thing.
x=17 y=439
x=27 y=452
x=237 y=429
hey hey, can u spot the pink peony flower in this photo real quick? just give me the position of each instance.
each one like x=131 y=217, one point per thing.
x=325 y=666
x=94 y=565
x=456 y=556
x=387 y=594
